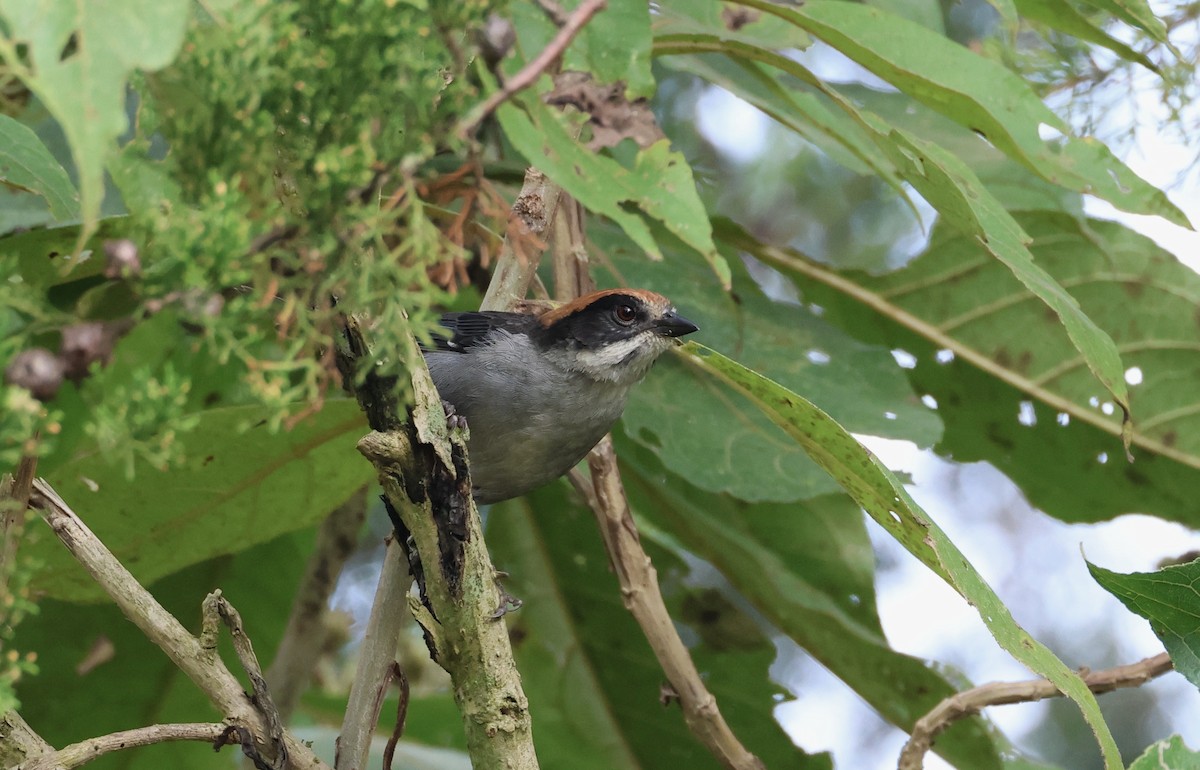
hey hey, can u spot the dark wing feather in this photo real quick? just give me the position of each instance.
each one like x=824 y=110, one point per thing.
x=470 y=329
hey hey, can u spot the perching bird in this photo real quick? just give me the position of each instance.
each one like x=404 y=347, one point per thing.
x=539 y=391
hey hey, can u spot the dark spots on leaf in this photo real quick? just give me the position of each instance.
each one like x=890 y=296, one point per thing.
x=1003 y=358
x=1023 y=361
x=208 y=460
x=212 y=398
x=53 y=255
x=1134 y=289
x=996 y=435
x=1136 y=477
x=650 y=438
x=1169 y=438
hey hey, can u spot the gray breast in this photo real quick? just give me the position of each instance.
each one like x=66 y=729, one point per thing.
x=531 y=421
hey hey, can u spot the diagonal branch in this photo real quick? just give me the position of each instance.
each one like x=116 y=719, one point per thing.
x=93 y=748
x=605 y=495
x=207 y=671
x=529 y=74
x=970 y=702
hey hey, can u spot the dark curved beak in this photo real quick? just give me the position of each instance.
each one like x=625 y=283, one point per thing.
x=674 y=325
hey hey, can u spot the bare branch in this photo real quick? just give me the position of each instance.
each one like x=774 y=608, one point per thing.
x=306 y=634
x=18 y=741
x=605 y=495
x=643 y=599
x=376 y=657
x=206 y=670
x=93 y=748
x=970 y=702
x=529 y=74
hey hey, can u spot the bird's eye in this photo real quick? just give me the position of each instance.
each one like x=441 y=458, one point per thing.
x=625 y=314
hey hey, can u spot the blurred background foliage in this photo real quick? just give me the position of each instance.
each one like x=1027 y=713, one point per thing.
x=869 y=205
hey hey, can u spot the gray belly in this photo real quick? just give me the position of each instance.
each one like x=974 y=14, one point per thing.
x=525 y=431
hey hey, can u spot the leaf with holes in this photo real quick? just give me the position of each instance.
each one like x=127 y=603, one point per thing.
x=884 y=498
x=988 y=351
x=26 y=164
x=714 y=436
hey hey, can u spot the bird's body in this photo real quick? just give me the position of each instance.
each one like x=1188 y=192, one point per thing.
x=538 y=392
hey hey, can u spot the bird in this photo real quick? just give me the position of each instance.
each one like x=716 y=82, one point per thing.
x=539 y=391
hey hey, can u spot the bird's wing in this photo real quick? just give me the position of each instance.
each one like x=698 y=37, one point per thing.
x=470 y=329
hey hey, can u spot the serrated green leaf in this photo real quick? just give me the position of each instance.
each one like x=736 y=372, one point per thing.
x=240 y=485
x=660 y=182
x=591 y=678
x=83 y=55
x=1170 y=754
x=884 y=498
x=1170 y=600
x=978 y=93
x=26 y=164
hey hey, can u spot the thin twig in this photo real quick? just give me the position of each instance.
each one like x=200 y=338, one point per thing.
x=307 y=633
x=207 y=671
x=93 y=748
x=389 y=750
x=529 y=74
x=970 y=702
x=216 y=604
x=376 y=657
x=643 y=599
x=605 y=495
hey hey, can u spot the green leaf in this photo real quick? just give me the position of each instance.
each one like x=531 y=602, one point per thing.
x=615 y=46
x=883 y=497
x=591 y=678
x=1065 y=17
x=83 y=55
x=1169 y=754
x=987 y=350
x=735 y=448
x=139 y=685
x=803 y=113
x=1170 y=600
x=26 y=164
x=1137 y=13
x=240 y=485
x=722 y=21
x=978 y=93
x=660 y=182
x=953 y=188
x=44 y=255
x=810 y=570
